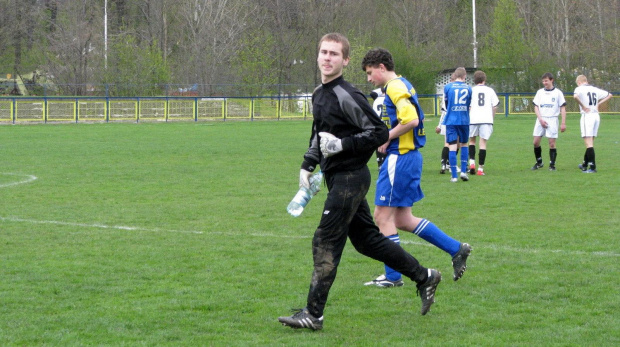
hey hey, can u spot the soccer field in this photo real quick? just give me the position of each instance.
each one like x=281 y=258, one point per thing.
x=177 y=234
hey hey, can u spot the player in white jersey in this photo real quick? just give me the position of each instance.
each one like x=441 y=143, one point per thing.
x=589 y=98
x=378 y=96
x=484 y=103
x=549 y=103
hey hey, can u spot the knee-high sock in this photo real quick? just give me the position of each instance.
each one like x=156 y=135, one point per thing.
x=472 y=152
x=553 y=153
x=431 y=233
x=591 y=158
x=538 y=154
x=464 y=158
x=390 y=273
x=453 y=165
x=444 y=155
x=482 y=157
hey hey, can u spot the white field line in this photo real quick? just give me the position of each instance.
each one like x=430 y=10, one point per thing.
x=99 y=226
x=25 y=179
x=492 y=247
x=30 y=178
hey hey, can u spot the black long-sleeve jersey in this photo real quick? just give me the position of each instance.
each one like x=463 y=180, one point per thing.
x=342 y=110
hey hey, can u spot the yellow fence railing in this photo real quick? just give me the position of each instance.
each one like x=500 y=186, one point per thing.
x=165 y=109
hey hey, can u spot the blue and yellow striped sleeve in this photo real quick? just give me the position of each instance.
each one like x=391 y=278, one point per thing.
x=399 y=94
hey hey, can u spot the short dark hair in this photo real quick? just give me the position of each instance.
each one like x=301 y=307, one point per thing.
x=339 y=38
x=378 y=56
x=547 y=75
x=479 y=77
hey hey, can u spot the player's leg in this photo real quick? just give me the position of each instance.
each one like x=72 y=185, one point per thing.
x=452 y=139
x=553 y=154
x=472 y=154
x=445 y=163
x=591 y=131
x=482 y=156
x=537 y=153
x=384 y=218
x=425 y=229
x=485 y=134
x=398 y=184
x=346 y=192
x=590 y=156
x=368 y=241
x=444 y=151
x=463 y=135
x=539 y=131
x=552 y=134
x=582 y=125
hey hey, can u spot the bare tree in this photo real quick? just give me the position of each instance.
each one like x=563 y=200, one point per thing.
x=72 y=50
x=210 y=37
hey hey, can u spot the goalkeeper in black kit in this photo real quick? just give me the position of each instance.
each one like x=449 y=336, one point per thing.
x=345 y=134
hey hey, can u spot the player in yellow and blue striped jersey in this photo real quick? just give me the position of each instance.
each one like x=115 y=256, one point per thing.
x=398 y=185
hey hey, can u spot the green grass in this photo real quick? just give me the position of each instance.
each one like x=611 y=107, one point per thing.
x=177 y=234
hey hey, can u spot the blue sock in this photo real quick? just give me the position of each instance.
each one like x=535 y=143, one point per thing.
x=431 y=233
x=464 y=158
x=390 y=273
x=452 y=160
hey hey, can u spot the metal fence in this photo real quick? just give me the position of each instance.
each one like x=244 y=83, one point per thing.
x=184 y=108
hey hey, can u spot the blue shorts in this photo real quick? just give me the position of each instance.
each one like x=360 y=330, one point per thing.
x=457 y=133
x=398 y=184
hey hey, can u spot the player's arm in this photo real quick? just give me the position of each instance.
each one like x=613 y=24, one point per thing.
x=605 y=99
x=358 y=112
x=583 y=107
x=563 y=113
x=495 y=103
x=540 y=120
x=311 y=157
x=406 y=112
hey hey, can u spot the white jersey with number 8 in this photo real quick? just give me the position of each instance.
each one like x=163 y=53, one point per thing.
x=483 y=101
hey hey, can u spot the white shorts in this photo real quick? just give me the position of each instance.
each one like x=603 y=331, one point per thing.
x=443 y=130
x=551 y=132
x=482 y=130
x=589 y=124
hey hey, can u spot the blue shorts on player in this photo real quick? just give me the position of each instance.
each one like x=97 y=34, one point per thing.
x=457 y=133
x=398 y=184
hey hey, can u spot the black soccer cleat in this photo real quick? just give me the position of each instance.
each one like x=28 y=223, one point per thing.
x=302 y=319
x=583 y=166
x=459 y=261
x=426 y=291
x=537 y=166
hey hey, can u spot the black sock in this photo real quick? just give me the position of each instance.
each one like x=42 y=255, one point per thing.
x=444 y=154
x=591 y=158
x=553 y=153
x=472 y=152
x=483 y=157
x=585 y=157
x=538 y=154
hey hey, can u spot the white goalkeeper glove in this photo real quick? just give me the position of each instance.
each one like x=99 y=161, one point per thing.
x=330 y=144
x=304 y=178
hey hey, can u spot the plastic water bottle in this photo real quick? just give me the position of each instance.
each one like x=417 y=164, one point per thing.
x=303 y=196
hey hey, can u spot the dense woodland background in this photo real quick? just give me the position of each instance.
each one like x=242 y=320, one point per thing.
x=263 y=47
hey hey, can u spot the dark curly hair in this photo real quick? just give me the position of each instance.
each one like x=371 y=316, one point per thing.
x=377 y=56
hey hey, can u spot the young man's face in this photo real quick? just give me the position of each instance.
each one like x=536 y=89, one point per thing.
x=330 y=60
x=547 y=83
x=375 y=75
